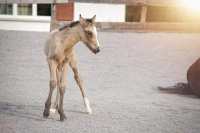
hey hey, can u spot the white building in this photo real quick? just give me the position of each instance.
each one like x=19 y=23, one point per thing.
x=34 y=15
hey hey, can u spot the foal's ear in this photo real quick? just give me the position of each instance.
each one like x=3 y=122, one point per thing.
x=82 y=20
x=93 y=19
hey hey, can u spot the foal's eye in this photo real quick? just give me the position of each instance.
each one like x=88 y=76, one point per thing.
x=89 y=33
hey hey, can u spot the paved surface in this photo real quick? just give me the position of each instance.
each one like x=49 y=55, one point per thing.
x=121 y=83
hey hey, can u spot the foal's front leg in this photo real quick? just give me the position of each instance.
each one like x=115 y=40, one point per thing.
x=52 y=85
x=73 y=65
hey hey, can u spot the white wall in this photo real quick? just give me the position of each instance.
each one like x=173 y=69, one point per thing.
x=25 y=23
x=104 y=12
x=25 y=26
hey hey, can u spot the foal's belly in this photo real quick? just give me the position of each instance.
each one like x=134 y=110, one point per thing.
x=62 y=58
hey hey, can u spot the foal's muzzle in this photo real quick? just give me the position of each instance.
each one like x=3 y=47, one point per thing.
x=97 y=50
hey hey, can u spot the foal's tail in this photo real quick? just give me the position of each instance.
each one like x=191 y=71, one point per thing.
x=179 y=88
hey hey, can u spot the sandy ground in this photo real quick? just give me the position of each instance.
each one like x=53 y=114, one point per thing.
x=121 y=83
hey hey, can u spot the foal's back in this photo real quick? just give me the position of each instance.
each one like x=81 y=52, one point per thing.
x=54 y=43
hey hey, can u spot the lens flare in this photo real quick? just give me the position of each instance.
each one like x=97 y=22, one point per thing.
x=192 y=4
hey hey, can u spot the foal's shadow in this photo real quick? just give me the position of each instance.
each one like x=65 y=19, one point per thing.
x=179 y=88
x=22 y=111
x=77 y=111
x=30 y=112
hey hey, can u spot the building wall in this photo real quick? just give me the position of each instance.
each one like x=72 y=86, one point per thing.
x=25 y=26
x=65 y=12
x=104 y=12
x=24 y=22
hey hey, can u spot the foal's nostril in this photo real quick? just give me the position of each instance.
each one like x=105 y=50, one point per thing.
x=98 y=50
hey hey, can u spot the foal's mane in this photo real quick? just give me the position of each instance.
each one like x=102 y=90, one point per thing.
x=73 y=24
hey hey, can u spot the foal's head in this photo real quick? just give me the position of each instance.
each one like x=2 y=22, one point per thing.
x=89 y=34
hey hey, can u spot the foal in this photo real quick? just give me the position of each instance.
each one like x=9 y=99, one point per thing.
x=60 y=53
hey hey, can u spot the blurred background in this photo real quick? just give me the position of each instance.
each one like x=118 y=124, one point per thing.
x=178 y=15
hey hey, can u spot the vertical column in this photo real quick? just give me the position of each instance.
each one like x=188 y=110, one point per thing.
x=53 y=23
x=34 y=9
x=143 y=14
x=14 y=9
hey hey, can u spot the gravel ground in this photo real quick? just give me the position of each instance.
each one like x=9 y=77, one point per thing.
x=121 y=83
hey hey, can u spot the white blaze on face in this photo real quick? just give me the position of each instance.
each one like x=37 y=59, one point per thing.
x=95 y=34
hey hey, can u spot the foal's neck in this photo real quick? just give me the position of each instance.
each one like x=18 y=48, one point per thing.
x=71 y=37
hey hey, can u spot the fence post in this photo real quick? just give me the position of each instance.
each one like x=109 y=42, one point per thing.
x=143 y=14
x=53 y=23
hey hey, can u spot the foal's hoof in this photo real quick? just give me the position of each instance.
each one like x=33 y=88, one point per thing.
x=87 y=105
x=45 y=113
x=89 y=110
x=62 y=117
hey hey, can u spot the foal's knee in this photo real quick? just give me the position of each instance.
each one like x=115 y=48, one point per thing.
x=63 y=84
x=77 y=78
x=62 y=90
x=52 y=84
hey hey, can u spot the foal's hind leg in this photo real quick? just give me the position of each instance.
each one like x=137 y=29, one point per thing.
x=52 y=85
x=62 y=87
x=73 y=65
x=54 y=107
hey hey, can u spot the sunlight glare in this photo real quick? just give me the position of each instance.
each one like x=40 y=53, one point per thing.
x=192 y=4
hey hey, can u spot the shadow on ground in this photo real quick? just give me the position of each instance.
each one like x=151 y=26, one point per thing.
x=179 y=88
x=24 y=111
